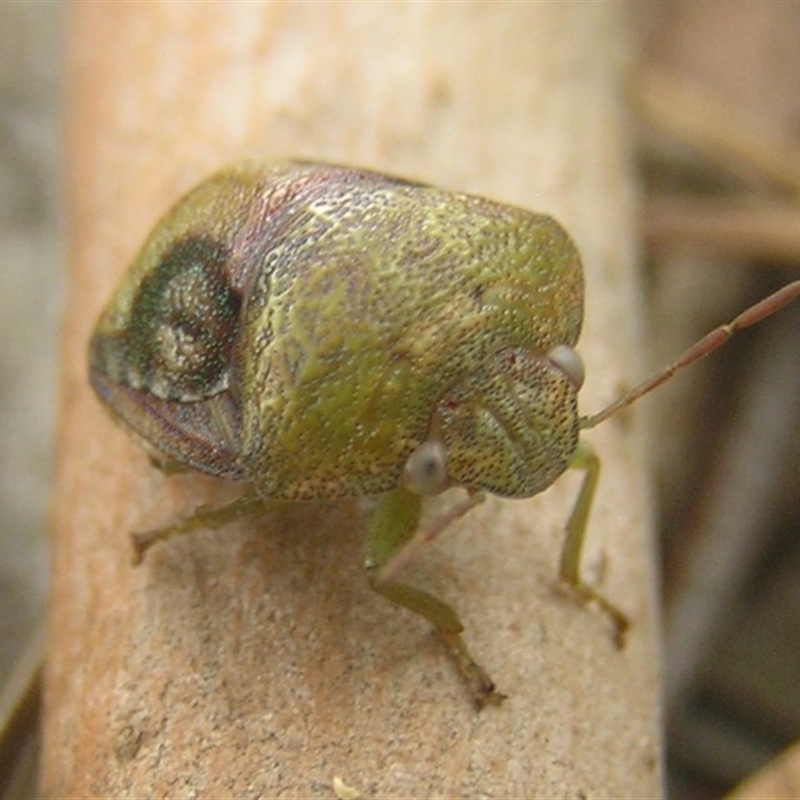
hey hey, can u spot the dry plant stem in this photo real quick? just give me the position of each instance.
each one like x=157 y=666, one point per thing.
x=20 y=701
x=255 y=660
x=759 y=229
x=779 y=780
x=708 y=125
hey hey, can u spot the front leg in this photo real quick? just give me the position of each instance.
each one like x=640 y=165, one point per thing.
x=570 y=566
x=394 y=526
x=206 y=516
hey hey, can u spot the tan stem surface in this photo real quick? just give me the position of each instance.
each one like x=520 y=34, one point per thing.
x=255 y=661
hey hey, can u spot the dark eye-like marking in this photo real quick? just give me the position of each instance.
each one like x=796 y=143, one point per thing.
x=183 y=323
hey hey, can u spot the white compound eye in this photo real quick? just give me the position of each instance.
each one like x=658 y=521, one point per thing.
x=425 y=471
x=569 y=362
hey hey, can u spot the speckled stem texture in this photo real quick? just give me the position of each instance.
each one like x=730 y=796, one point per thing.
x=255 y=661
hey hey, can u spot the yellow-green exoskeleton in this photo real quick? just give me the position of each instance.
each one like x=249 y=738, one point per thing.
x=326 y=332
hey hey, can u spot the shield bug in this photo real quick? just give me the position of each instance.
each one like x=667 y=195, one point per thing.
x=320 y=332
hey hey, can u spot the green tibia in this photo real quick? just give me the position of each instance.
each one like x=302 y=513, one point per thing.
x=570 y=565
x=246 y=506
x=394 y=525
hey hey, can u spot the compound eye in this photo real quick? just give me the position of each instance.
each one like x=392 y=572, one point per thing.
x=425 y=471
x=569 y=362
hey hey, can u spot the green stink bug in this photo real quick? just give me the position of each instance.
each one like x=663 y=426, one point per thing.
x=325 y=332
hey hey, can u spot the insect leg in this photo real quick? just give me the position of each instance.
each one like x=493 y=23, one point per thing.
x=395 y=522
x=408 y=550
x=205 y=516
x=570 y=566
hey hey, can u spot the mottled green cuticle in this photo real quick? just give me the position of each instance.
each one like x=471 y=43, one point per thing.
x=382 y=298
x=304 y=323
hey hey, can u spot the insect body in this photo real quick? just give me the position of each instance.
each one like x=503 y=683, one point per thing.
x=324 y=332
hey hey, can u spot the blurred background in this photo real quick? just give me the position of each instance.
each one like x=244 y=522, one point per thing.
x=715 y=116
x=32 y=277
